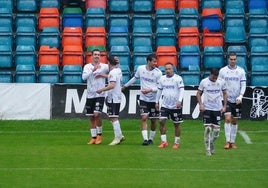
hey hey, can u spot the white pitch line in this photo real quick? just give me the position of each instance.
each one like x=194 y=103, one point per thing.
x=245 y=137
x=134 y=169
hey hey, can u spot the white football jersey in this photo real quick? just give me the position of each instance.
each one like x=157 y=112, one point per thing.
x=172 y=89
x=114 y=95
x=93 y=83
x=234 y=79
x=212 y=93
x=148 y=79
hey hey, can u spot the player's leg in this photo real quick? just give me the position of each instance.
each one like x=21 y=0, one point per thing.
x=153 y=115
x=144 y=117
x=90 y=106
x=207 y=131
x=97 y=114
x=236 y=113
x=227 y=126
x=176 y=117
x=162 y=121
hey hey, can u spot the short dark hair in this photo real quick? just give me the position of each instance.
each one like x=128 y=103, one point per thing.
x=112 y=60
x=168 y=63
x=214 y=71
x=231 y=54
x=150 y=57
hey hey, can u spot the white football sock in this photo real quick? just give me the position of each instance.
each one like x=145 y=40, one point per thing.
x=227 y=130
x=177 y=140
x=117 y=129
x=144 y=134
x=163 y=137
x=152 y=134
x=207 y=133
x=93 y=132
x=233 y=133
x=99 y=129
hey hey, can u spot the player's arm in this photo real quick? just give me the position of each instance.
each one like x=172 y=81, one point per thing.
x=86 y=72
x=224 y=94
x=199 y=100
x=110 y=86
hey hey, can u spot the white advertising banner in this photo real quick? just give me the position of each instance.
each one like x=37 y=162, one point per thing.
x=19 y=101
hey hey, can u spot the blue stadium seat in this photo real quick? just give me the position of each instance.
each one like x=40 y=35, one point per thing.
x=258 y=18
x=6 y=77
x=141 y=6
x=123 y=53
x=241 y=55
x=235 y=35
x=234 y=17
x=26 y=36
x=49 y=3
x=25 y=74
x=6 y=36
x=119 y=5
x=23 y=19
x=259 y=78
x=165 y=36
x=48 y=74
x=188 y=17
x=258 y=58
x=72 y=17
x=7 y=4
x=6 y=56
x=192 y=76
x=165 y=17
x=139 y=55
x=49 y=36
x=95 y=17
x=256 y=4
x=6 y=18
x=118 y=36
x=189 y=56
x=119 y=20
x=25 y=55
x=258 y=37
x=142 y=36
x=211 y=19
x=27 y=5
x=72 y=74
x=213 y=57
x=234 y=4
x=211 y=4
x=142 y=20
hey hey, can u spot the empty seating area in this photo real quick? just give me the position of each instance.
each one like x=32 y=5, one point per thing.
x=53 y=39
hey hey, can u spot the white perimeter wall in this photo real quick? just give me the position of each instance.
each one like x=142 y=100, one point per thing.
x=19 y=101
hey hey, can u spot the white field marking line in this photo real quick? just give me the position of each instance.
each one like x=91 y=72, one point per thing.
x=134 y=169
x=245 y=137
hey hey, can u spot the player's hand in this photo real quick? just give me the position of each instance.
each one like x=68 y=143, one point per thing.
x=99 y=91
x=157 y=106
x=239 y=99
x=201 y=108
x=145 y=91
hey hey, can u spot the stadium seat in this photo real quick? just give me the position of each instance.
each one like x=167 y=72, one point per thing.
x=72 y=17
x=234 y=4
x=234 y=18
x=25 y=74
x=241 y=55
x=48 y=56
x=259 y=79
x=192 y=76
x=259 y=57
x=142 y=36
x=6 y=76
x=166 y=4
x=26 y=36
x=72 y=36
x=212 y=39
x=188 y=36
x=6 y=56
x=48 y=17
x=49 y=74
x=95 y=17
x=6 y=18
x=7 y=4
x=96 y=4
x=118 y=36
x=27 y=5
x=258 y=18
x=6 y=36
x=258 y=37
x=189 y=56
x=49 y=36
x=140 y=54
x=211 y=4
x=165 y=17
x=119 y=20
x=72 y=55
x=142 y=20
x=103 y=53
x=95 y=36
x=119 y=6
x=22 y=20
x=188 y=4
x=235 y=35
x=166 y=54
x=213 y=57
x=211 y=19
x=256 y=4
x=25 y=55
x=72 y=74
x=188 y=17
x=123 y=53
x=142 y=6
x=165 y=36
x=49 y=4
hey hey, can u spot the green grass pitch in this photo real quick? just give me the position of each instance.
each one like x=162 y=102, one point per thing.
x=54 y=153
